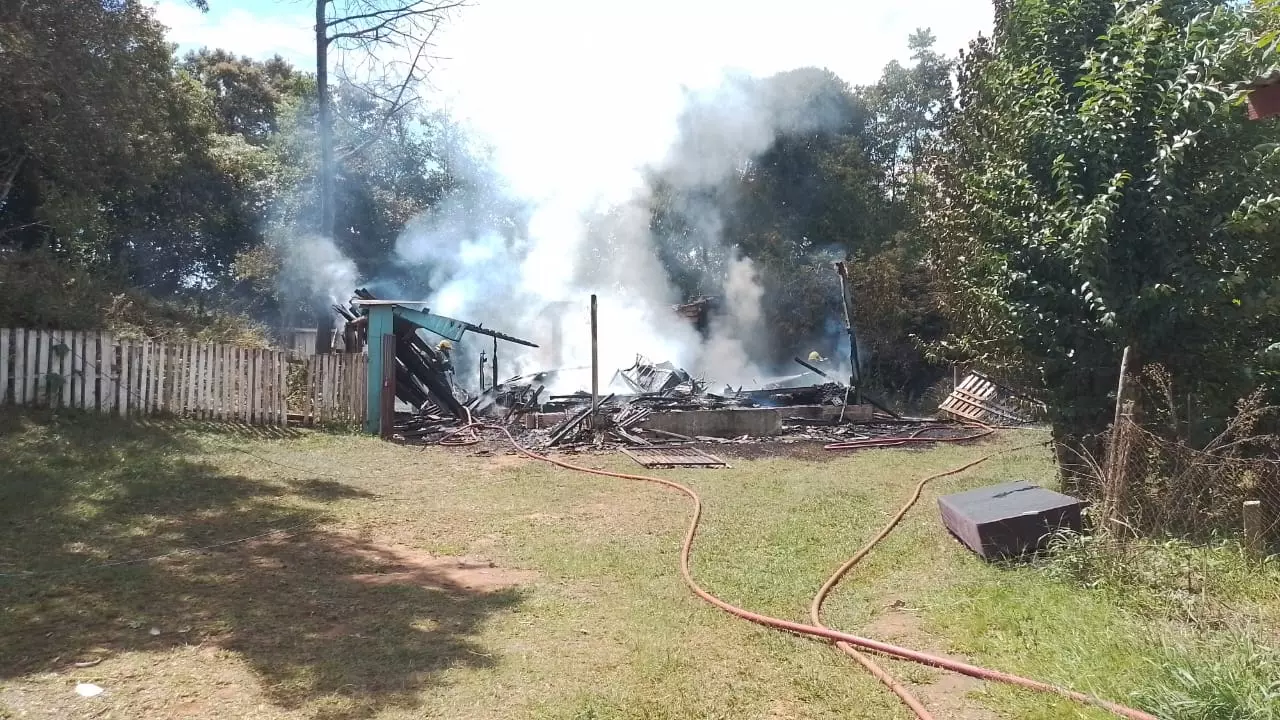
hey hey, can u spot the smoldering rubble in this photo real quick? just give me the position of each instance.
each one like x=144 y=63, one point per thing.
x=646 y=404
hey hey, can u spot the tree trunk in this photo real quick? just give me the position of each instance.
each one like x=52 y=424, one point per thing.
x=324 y=331
x=1081 y=426
x=324 y=132
x=324 y=129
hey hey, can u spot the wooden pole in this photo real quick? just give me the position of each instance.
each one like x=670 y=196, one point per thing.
x=1121 y=387
x=495 y=362
x=1116 y=485
x=387 y=397
x=1254 y=540
x=595 y=366
x=846 y=299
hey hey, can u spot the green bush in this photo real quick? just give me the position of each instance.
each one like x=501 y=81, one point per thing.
x=45 y=292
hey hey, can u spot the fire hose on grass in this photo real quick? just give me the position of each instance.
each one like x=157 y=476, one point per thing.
x=815 y=608
x=817 y=630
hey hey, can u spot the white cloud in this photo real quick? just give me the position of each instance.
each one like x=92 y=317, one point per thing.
x=239 y=30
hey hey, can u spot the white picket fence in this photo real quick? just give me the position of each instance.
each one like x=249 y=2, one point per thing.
x=336 y=388
x=96 y=371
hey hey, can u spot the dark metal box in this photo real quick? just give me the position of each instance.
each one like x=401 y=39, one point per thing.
x=1010 y=519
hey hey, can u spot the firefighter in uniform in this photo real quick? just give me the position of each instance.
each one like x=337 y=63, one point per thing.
x=445 y=348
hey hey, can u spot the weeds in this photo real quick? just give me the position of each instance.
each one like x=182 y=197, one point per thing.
x=1238 y=679
x=1170 y=579
x=1222 y=670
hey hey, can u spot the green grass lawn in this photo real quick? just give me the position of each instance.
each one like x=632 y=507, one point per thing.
x=475 y=584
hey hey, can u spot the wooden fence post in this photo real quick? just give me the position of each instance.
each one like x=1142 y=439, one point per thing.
x=1255 y=540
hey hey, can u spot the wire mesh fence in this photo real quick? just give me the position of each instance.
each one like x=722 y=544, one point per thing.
x=1153 y=481
x=1157 y=486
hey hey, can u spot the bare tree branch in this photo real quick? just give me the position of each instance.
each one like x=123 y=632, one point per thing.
x=379 y=33
x=396 y=106
x=376 y=13
x=399 y=97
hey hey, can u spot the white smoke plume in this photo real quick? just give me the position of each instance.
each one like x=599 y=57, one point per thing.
x=591 y=234
x=312 y=267
x=726 y=355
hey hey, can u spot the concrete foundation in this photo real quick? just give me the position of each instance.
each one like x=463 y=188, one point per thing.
x=726 y=422
x=852 y=413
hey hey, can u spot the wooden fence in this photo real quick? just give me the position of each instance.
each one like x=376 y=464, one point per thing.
x=329 y=388
x=96 y=371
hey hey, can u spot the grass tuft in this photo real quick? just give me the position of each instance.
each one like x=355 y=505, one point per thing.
x=1233 y=678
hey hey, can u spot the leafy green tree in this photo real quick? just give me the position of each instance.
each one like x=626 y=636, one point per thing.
x=896 y=312
x=79 y=82
x=907 y=106
x=247 y=95
x=1099 y=187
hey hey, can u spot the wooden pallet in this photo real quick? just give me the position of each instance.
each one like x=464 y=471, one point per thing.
x=674 y=457
x=980 y=399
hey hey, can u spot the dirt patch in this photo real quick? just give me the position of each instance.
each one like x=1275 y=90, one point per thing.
x=543 y=518
x=405 y=565
x=443 y=572
x=498 y=455
x=946 y=694
x=396 y=564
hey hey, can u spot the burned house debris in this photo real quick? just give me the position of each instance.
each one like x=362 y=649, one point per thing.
x=656 y=407
x=698 y=311
x=646 y=377
x=413 y=372
x=649 y=404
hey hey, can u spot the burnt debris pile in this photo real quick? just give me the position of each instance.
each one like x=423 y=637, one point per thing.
x=648 y=404
x=421 y=371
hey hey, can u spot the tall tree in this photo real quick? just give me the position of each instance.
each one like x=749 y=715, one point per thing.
x=383 y=45
x=247 y=94
x=79 y=112
x=907 y=106
x=1101 y=188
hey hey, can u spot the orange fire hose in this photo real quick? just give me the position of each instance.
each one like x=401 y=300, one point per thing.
x=817 y=630
x=815 y=608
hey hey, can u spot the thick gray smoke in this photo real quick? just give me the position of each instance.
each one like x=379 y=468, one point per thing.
x=527 y=279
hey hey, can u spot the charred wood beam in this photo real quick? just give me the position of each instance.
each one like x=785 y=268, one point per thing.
x=574 y=422
x=805 y=364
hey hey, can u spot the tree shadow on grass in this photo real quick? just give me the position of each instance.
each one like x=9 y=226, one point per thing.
x=327 y=620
